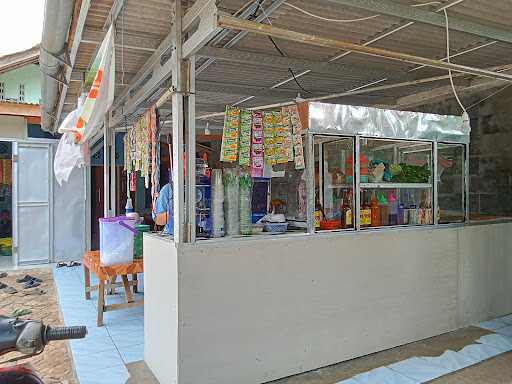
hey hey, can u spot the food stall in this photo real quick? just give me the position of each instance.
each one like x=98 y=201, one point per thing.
x=384 y=256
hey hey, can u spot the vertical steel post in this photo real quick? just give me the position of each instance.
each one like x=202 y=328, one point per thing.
x=88 y=205
x=106 y=184
x=177 y=127
x=113 y=184
x=466 y=182
x=321 y=180
x=310 y=182
x=357 y=183
x=190 y=126
x=435 y=203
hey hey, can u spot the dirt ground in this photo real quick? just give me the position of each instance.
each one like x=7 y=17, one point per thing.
x=55 y=364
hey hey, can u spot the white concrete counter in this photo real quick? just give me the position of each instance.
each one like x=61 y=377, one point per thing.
x=251 y=311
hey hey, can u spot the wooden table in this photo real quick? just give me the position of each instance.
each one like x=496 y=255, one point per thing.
x=107 y=276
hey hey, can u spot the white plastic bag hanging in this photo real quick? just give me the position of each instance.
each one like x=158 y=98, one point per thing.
x=68 y=155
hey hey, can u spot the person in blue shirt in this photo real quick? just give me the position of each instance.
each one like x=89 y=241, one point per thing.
x=164 y=206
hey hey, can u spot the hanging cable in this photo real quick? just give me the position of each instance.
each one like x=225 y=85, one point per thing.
x=448 y=61
x=350 y=20
x=281 y=52
x=488 y=97
x=328 y=19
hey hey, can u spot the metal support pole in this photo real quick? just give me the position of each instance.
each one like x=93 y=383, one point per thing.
x=435 y=203
x=190 y=127
x=357 y=183
x=178 y=184
x=310 y=182
x=466 y=182
x=106 y=183
x=113 y=184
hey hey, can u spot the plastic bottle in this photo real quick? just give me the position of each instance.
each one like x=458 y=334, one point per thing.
x=346 y=212
x=401 y=214
x=393 y=208
x=384 y=209
x=366 y=213
x=375 y=211
x=129 y=206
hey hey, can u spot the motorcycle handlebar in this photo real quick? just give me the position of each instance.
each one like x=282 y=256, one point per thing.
x=64 y=333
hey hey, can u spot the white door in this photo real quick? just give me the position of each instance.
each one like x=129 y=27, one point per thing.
x=69 y=208
x=33 y=233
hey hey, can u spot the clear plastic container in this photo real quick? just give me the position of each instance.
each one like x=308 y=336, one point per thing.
x=116 y=240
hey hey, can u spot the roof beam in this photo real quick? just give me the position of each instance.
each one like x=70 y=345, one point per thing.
x=273 y=61
x=129 y=41
x=226 y=21
x=246 y=14
x=367 y=90
x=444 y=93
x=157 y=69
x=391 y=8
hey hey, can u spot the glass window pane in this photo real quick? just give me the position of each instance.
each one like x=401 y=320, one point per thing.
x=334 y=182
x=450 y=183
x=396 y=183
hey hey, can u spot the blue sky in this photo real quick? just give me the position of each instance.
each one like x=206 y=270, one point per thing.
x=22 y=24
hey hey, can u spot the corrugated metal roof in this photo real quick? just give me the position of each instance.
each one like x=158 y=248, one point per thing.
x=151 y=19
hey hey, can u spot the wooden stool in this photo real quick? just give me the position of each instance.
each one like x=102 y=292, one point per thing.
x=107 y=276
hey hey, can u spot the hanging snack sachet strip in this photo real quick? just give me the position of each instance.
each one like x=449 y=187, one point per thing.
x=229 y=149
x=298 y=150
x=288 y=141
x=257 y=145
x=268 y=138
x=244 y=153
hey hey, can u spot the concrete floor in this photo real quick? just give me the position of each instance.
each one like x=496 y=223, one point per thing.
x=497 y=370
x=434 y=346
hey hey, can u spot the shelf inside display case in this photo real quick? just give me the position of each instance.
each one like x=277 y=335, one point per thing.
x=340 y=186
x=395 y=185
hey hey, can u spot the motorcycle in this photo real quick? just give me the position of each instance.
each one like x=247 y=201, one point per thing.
x=29 y=337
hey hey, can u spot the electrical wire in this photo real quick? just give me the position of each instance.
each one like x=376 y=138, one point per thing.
x=350 y=20
x=328 y=19
x=253 y=16
x=281 y=52
x=488 y=97
x=448 y=61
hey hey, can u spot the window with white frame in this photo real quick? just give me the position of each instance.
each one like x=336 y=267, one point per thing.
x=21 y=96
x=2 y=90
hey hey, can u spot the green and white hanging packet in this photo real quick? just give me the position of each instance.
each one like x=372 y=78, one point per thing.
x=229 y=148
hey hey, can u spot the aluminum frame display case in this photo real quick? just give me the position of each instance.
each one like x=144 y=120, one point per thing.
x=393 y=131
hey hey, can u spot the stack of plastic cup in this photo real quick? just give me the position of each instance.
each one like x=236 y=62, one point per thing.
x=217 y=204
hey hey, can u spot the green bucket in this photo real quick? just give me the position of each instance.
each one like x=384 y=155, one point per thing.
x=137 y=241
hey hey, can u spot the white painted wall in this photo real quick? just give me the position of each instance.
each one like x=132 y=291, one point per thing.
x=256 y=310
x=486 y=272
x=161 y=308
